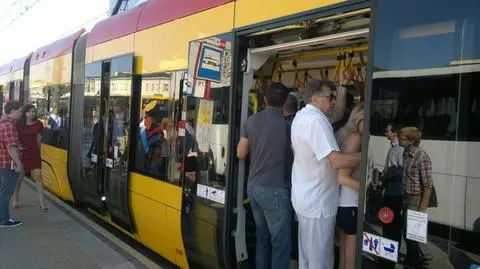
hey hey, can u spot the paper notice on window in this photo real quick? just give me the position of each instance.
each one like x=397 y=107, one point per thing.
x=417 y=226
x=115 y=152
x=204 y=124
x=200 y=86
x=109 y=163
x=210 y=193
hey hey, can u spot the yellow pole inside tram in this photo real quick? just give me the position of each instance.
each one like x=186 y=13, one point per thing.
x=329 y=52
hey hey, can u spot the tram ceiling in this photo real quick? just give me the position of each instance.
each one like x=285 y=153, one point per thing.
x=329 y=45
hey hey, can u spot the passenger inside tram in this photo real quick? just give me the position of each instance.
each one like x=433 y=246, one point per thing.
x=346 y=67
x=349 y=139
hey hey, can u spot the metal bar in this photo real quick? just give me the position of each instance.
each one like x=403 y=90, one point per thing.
x=309 y=42
x=329 y=52
x=344 y=15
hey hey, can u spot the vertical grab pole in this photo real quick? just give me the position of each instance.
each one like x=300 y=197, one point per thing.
x=240 y=235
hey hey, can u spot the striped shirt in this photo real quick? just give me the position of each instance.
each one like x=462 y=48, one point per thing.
x=417 y=172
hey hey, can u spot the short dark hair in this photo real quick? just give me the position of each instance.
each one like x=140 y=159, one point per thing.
x=395 y=127
x=276 y=94
x=12 y=105
x=315 y=86
x=291 y=104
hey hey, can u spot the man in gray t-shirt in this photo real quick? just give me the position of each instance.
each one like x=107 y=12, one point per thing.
x=264 y=137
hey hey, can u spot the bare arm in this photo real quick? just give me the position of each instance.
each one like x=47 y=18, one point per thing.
x=425 y=166
x=344 y=160
x=13 y=151
x=14 y=154
x=341 y=103
x=351 y=145
x=425 y=199
x=242 y=148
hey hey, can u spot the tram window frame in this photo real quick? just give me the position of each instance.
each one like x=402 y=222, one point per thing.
x=168 y=94
x=1 y=103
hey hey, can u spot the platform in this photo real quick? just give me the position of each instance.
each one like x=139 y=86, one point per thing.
x=62 y=238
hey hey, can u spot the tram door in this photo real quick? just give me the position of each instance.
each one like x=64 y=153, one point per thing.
x=206 y=107
x=105 y=150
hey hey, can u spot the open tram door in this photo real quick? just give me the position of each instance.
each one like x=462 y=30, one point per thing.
x=105 y=157
x=320 y=48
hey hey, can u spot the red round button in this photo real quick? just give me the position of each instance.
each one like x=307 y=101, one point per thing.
x=385 y=215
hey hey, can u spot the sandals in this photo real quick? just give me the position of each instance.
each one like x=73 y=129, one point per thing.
x=15 y=206
x=44 y=209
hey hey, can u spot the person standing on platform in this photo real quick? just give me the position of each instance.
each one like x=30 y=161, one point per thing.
x=264 y=138
x=315 y=194
x=392 y=183
x=10 y=160
x=31 y=140
x=417 y=187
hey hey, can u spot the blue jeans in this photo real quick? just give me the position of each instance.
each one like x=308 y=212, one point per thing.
x=272 y=211
x=7 y=187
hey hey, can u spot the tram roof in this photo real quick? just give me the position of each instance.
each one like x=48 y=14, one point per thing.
x=14 y=65
x=146 y=15
x=58 y=48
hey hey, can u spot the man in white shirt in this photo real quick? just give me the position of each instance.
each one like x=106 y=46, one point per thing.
x=315 y=188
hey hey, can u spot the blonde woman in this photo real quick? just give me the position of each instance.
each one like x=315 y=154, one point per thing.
x=349 y=138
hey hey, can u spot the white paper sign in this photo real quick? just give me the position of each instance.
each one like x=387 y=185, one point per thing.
x=199 y=90
x=181 y=132
x=94 y=158
x=371 y=243
x=210 y=193
x=417 y=225
x=188 y=85
x=389 y=249
x=115 y=152
x=109 y=163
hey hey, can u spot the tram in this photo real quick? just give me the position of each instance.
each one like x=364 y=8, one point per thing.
x=151 y=104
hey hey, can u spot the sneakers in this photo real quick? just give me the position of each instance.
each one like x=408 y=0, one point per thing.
x=11 y=223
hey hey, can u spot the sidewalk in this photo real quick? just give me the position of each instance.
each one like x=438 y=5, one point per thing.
x=61 y=238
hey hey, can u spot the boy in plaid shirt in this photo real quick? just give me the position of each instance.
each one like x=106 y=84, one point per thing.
x=10 y=161
x=417 y=185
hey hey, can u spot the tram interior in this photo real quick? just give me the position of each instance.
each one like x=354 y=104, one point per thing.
x=295 y=54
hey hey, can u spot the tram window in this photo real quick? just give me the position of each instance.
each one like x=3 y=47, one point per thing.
x=206 y=135
x=470 y=107
x=53 y=104
x=426 y=72
x=154 y=152
x=429 y=103
x=38 y=97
